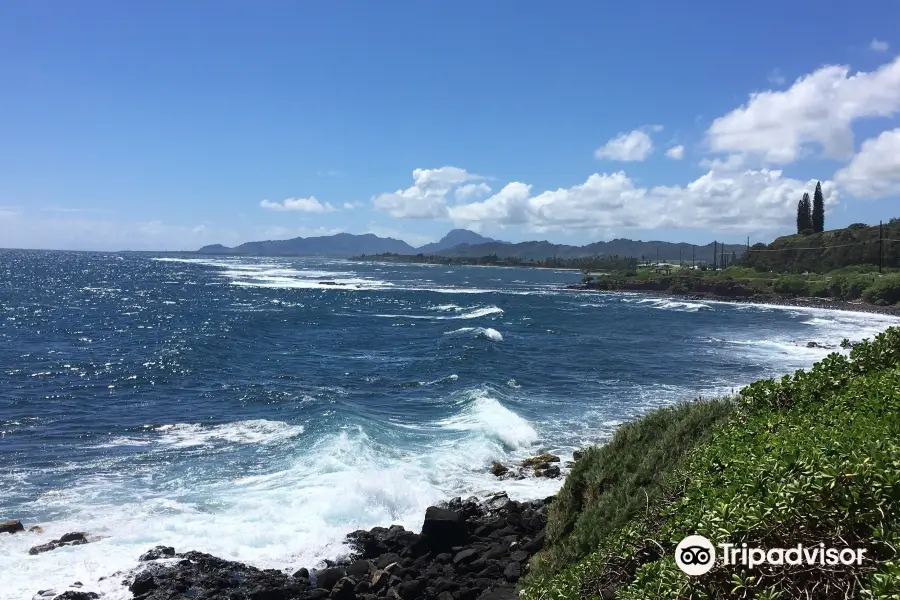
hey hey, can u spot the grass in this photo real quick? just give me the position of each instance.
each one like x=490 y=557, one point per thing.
x=811 y=458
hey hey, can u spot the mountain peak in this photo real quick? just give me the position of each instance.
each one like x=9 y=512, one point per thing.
x=455 y=237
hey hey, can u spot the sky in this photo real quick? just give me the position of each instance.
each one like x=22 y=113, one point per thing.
x=169 y=125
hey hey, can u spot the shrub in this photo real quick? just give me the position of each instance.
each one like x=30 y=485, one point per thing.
x=884 y=291
x=810 y=458
x=791 y=285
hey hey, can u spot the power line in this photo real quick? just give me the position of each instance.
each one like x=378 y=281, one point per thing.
x=820 y=247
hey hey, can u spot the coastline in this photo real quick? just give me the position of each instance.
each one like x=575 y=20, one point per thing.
x=472 y=549
x=759 y=299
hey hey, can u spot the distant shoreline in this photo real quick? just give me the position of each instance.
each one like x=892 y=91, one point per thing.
x=775 y=300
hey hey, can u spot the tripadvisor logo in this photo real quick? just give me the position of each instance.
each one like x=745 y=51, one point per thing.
x=696 y=555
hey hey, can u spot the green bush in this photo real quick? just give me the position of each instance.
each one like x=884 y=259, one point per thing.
x=795 y=286
x=884 y=291
x=810 y=458
x=610 y=484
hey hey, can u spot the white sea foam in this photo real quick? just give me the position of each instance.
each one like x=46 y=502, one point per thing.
x=256 y=431
x=486 y=415
x=470 y=314
x=295 y=514
x=676 y=305
x=481 y=332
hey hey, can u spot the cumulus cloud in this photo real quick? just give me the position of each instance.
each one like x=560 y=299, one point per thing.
x=426 y=198
x=675 y=152
x=879 y=46
x=627 y=147
x=309 y=205
x=725 y=198
x=816 y=111
x=472 y=190
x=875 y=170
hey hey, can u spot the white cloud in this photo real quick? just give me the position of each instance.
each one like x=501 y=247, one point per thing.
x=875 y=171
x=675 y=152
x=426 y=198
x=879 y=46
x=817 y=110
x=310 y=205
x=633 y=146
x=352 y=205
x=723 y=199
x=472 y=190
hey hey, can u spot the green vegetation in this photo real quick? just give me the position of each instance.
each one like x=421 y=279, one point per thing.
x=844 y=285
x=858 y=244
x=818 y=210
x=804 y=216
x=811 y=215
x=811 y=458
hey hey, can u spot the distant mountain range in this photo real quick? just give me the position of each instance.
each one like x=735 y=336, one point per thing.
x=465 y=243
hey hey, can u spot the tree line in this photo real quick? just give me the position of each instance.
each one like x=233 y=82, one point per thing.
x=811 y=215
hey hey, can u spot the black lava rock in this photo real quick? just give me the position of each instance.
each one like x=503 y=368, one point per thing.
x=142 y=584
x=157 y=553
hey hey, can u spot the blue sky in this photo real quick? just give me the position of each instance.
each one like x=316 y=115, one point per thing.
x=169 y=125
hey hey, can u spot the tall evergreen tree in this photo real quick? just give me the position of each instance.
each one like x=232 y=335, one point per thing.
x=818 y=209
x=804 y=214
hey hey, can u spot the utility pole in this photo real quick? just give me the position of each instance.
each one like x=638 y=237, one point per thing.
x=880 y=244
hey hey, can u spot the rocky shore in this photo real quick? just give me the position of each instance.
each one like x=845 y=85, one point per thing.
x=467 y=550
x=774 y=299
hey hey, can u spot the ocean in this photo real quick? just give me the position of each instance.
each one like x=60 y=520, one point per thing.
x=261 y=408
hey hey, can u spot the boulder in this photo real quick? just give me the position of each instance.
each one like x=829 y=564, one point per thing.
x=513 y=572
x=540 y=459
x=465 y=556
x=344 y=589
x=410 y=590
x=143 y=583
x=69 y=539
x=359 y=569
x=576 y=456
x=302 y=572
x=496 y=501
x=199 y=575
x=444 y=528
x=157 y=553
x=36 y=529
x=498 y=469
x=499 y=593
x=328 y=578
x=548 y=471
x=77 y=595
x=11 y=526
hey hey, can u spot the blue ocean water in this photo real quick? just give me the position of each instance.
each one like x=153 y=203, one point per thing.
x=261 y=408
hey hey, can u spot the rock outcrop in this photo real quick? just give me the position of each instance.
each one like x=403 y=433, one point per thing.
x=468 y=550
x=69 y=539
x=11 y=526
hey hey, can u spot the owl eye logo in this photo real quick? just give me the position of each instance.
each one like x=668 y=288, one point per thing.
x=695 y=555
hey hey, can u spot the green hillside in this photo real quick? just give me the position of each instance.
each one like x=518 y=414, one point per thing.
x=829 y=250
x=812 y=458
